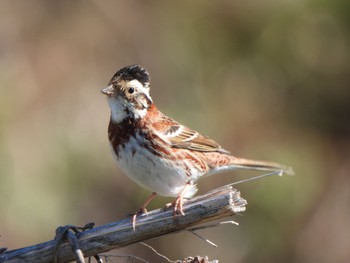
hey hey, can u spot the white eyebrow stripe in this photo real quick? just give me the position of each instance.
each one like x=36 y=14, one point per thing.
x=137 y=84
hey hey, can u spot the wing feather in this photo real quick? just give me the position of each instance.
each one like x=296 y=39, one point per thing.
x=180 y=136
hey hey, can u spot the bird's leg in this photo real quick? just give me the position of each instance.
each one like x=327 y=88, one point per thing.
x=142 y=209
x=178 y=202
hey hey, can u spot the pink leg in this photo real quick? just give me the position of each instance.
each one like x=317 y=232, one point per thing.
x=178 y=202
x=142 y=209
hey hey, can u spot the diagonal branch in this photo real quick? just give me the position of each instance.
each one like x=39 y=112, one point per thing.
x=219 y=203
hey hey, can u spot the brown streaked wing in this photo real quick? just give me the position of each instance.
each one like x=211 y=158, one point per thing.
x=183 y=137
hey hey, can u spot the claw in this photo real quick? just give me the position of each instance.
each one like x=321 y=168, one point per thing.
x=142 y=210
x=178 y=202
x=178 y=205
x=139 y=212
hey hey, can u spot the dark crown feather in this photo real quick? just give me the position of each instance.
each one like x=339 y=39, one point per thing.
x=132 y=72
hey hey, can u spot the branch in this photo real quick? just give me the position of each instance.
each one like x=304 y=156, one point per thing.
x=219 y=203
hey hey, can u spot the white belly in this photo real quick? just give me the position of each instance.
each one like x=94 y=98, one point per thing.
x=154 y=173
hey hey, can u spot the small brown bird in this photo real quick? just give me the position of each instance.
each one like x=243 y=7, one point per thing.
x=156 y=151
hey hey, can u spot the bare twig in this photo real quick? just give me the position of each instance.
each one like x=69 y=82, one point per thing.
x=132 y=257
x=193 y=229
x=203 y=238
x=213 y=225
x=67 y=232
x=157 y=253
x=219 y=203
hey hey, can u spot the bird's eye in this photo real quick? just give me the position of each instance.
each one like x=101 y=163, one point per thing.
x=131 y=90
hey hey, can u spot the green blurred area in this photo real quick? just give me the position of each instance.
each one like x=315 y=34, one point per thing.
x=266 y=79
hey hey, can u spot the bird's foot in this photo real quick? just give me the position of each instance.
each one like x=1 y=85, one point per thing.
x=177 y=206
x=142 y=210
x=139 y=212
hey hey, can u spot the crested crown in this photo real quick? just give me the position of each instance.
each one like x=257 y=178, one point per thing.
x=132 y=72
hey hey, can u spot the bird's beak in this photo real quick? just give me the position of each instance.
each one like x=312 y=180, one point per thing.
x=109 y=91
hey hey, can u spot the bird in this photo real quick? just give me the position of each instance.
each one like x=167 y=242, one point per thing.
x=159 y=153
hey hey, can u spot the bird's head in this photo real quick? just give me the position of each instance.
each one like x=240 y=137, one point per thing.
x=128 y=93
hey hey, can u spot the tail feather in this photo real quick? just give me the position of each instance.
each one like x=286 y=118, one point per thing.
x=219 y=162
x=241 y=163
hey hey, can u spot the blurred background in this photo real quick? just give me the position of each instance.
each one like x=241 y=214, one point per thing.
x=266 y=79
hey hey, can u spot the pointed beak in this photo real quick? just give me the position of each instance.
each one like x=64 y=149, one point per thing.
x=109 y=91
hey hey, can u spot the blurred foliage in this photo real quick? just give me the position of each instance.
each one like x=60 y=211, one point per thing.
x=266 y=79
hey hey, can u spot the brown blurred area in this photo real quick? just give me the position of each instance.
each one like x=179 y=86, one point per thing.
x=266 y=79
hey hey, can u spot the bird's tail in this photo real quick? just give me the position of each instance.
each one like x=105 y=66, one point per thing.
x=226 y=162
x=247 y=164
